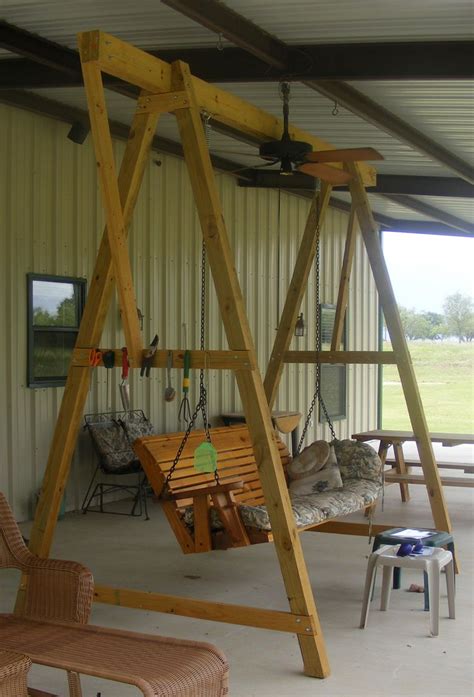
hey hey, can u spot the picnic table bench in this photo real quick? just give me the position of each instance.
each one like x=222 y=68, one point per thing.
x=400 y=472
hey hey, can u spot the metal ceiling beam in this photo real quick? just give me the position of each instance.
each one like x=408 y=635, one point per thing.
x=424 y=227
x=431 y=212
x=223 y=18
x=387 y=121
x=396 y=184
x=420 y=186
x=424 y=60
x=50 y=56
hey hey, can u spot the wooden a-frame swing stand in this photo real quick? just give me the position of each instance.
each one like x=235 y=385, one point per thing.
x=171 y=88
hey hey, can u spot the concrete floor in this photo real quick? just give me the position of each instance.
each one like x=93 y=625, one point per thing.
x=394 y=656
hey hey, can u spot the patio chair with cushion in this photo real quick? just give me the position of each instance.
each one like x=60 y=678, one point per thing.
x=112 y=434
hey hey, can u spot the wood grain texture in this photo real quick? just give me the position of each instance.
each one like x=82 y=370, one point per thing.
x=370 y=234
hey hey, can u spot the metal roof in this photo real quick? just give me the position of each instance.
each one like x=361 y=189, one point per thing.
x=150 y=24
x=443 y=110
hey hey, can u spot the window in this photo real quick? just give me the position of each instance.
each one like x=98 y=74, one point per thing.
x=333 y=377
x=55 y=305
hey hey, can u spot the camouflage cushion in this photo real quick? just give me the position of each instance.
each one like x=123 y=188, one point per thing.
x=308 y=510
x=113 y=438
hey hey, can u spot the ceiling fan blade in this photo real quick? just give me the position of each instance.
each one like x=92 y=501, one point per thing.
x=329 y=174
x=344 y=155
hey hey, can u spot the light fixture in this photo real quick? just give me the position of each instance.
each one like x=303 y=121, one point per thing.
x=300 y=326
x=78 y=132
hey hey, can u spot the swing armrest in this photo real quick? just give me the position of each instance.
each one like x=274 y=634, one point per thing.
x=206 y=491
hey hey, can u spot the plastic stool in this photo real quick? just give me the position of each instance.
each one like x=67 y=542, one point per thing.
x=431 y=564
x=437 y=538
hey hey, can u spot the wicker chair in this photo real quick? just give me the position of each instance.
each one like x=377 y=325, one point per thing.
x=56 y=589
x=51 y=630
x=13 y=671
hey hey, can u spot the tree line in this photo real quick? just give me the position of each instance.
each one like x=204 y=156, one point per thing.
x=457 y=320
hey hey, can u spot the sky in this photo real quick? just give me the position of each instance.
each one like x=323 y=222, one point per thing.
x=424 y=269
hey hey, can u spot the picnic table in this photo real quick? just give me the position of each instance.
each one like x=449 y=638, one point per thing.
x=400 y=473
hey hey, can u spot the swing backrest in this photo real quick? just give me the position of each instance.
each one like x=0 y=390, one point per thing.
x=236 y=462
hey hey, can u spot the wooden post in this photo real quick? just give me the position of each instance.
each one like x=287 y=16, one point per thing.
x=90 y=331
x=113 y=208
x=296 y=291
x=343 y=293
x=250 y=384
x=389 y=306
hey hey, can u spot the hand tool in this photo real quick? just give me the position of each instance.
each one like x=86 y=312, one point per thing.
x=148 y=358
x=124 y=387
x=170 y=392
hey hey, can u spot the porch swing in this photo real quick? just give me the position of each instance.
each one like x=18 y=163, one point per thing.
x=222 y=505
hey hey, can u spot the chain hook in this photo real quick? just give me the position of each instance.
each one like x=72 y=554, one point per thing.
x=220 y=44
x=335 y=110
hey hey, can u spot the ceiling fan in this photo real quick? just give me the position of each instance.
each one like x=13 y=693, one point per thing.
x=297 y=156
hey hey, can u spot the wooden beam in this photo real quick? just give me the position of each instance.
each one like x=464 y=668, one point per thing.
x=389 y=306
x=395 y=477
x=113 y=209
x=275 y=620
x=343 y=93
x=347 y=357
x=250 y=384
x=343 y=293
x=296 y=291
x=90 y=332
x=240 y=118
x=211 y=360
x=341 y=527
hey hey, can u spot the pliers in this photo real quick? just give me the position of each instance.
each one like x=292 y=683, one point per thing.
x=148 y=358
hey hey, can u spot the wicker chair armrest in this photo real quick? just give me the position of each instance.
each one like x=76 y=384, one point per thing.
x=57 y=590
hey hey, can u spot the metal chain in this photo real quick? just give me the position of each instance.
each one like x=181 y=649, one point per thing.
x=317 y=384
x=202 y=403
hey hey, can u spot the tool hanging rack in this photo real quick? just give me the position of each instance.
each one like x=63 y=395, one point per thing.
x=172 y=89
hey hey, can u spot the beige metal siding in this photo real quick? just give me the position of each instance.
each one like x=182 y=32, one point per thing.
x=51 y=221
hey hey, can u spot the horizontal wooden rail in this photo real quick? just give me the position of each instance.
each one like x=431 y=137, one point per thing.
x=393 y=477
x=152 y=74
x=276 y=620
x=368 y=357
x=442 y=464
x=341 y=527
x=212 y=360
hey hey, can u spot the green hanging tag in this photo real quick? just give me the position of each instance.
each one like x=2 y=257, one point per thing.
x=205 y=458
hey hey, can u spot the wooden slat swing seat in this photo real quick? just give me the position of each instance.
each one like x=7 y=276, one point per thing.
x=259 y=478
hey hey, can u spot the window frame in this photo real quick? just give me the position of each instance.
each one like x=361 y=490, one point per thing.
x=81 y=285
x=340 y=414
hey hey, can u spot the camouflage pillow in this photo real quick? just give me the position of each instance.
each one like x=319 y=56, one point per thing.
x=327 y=478
x=357 y=460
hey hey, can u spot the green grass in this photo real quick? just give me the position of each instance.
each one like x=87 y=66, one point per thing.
x=445 y=376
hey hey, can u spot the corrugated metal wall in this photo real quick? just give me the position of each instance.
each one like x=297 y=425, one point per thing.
x=51 y=221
